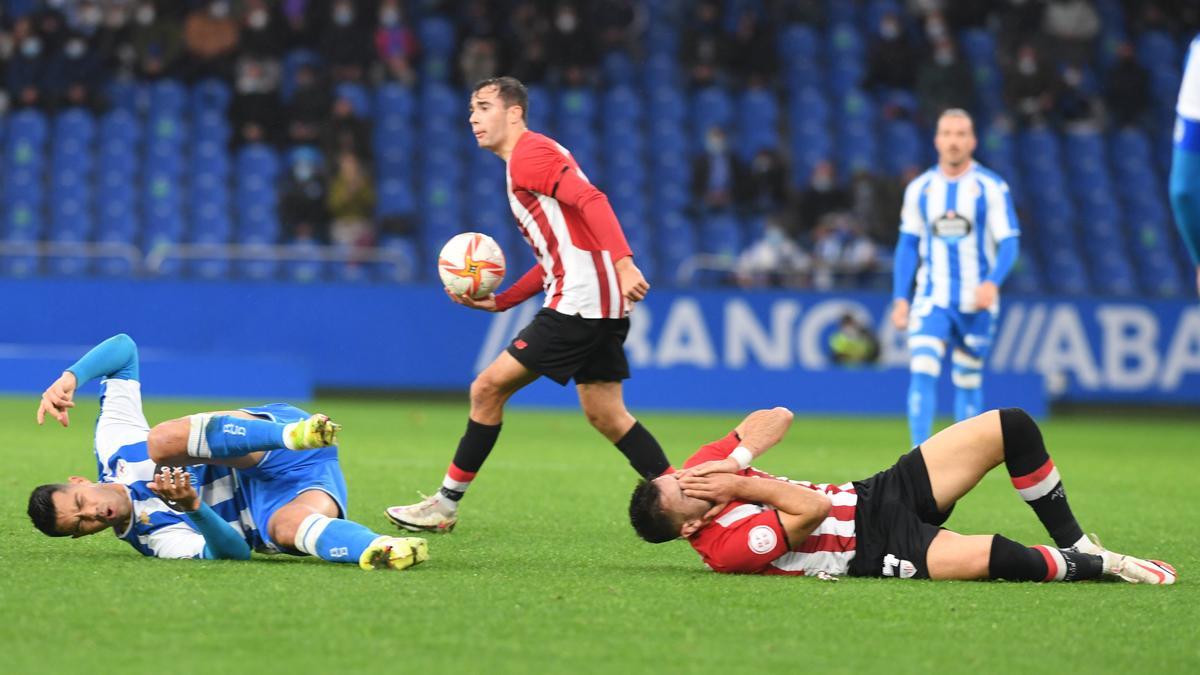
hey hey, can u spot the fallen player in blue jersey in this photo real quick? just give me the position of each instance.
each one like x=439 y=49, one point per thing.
x=210 y=485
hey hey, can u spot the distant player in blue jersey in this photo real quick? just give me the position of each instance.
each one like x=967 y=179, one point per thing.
x=264 y=478
x=959 y=234
x=1185 y=162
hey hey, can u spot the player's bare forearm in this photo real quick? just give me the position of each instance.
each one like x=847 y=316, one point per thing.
x=762 y=429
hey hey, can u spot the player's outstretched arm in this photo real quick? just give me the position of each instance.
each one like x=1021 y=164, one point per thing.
x=759 y=432
x=221 y=542
x=116 y=357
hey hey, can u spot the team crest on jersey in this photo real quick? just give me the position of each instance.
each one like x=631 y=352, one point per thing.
x=762 y=539
x=952 y=225
x=122 y=469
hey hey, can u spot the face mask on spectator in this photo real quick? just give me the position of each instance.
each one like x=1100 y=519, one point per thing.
x=303 y=171
x=343 y=15
x=219 y=10
x=257 y=19
x=31 y=47
x=145 y=15
x=935 y=28
x=889 y=29
x=389 y=17
x=1027 y=66
x=566 y=21
x=715 y=144
x=74 y=49
x=822 y=182
x=943 y=57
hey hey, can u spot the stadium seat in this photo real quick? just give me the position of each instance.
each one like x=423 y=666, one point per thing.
x=211 y=94
x=395 y=99
x=618 y=69
x=76 y=124
x=437 y=36
x=357 y=95
x=799 y=41
x=168 y=97
x=120 y=125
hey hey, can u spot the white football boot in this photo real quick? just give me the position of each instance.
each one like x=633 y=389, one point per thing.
x=1126 y=567
x=431 y=514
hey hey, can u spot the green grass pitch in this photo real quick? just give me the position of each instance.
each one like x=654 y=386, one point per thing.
x=544 y=573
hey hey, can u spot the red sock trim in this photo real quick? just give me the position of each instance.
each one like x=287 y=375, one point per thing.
x=459 y=475
x=1051 y=566
x=1031 y=479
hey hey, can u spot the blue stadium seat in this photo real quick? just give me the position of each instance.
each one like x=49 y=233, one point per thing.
x=406 y=259
x=1114 y=275
x=437 y=36
x=262 y=267
x=576 y=103
x=61 y=265
x=257 y=160
x=309 y=266
x=720 y=235
x=1069 y=276
x=129 y=96
x=76 y=124
x=618 y=69
x=22 y=221
x=799 y=41
x=667 y=105
x=1156 y=50
x=440 y=101
x=168 y=97
x=166 y=128
x=120 y=125
x=677 y=245
x=845 y=42
x=395 y=99
x=979 y=46
x=211 y=126
x=395 y=198
x=711 y=106
x=211 y=94
x=211 y=268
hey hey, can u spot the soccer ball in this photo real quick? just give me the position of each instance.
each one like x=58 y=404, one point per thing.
x=471 y=264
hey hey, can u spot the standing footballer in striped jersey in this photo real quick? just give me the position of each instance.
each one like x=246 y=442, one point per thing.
x=958 y=221
x=742 y=520
x=1185 y=160
x=246 y=484
x=585 y=267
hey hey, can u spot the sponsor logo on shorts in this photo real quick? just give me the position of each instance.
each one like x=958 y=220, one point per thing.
x=762 y=539
x=520 y=344
x=895 y=567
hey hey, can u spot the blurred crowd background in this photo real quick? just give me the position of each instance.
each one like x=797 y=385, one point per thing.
x=751 y=142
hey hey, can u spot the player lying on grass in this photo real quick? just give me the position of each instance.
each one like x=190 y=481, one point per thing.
x=743 y=520
x=248 y=484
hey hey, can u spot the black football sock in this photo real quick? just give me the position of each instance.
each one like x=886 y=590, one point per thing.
x=1014 y=562
x=644 y=453
x=473 y=449
x=1035 y=477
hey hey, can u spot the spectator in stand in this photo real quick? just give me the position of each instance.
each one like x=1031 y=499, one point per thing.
x=766 y=183
x=752 y=51
x=774 y=260
x=944 y=81
x=346 y=42
x=1128 y=87
x=263 y=33
x=1029 y=87
x=529 y=35
x=302 y=21
x=716 y=174
x=112 y=42
x=571 y=45
x=1019 y=21
x=1076 y=109
x=78 y=75
x=303 y=200
x=1072 y=26
x=24 y=72
x=704 y=45
x=255 y=113
x=395 y=44
x=821 y=197
x=211 y=36
x=478 y=59
x=619 y=23
x=156 y=42
x=309 y=107
x=891 y=58
x=346 y=132
x=352 y=204
x=874 y=203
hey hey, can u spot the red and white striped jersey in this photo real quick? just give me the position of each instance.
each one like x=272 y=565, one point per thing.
x=748 y=538
x=574 y=233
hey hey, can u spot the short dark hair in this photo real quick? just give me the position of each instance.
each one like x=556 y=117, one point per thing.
x=42 y=511
x=647 y=516
x=511 y=91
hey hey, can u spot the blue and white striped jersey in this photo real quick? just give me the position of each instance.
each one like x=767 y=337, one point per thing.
x=121 y=457
x=1188 y=106
x=959 y=223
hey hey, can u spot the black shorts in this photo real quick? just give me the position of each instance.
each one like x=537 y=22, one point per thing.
x=562 y=347
x=896 y=520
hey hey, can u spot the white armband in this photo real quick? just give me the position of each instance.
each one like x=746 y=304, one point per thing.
x=742 y=455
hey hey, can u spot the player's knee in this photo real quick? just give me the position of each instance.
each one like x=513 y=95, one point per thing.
x=485 y=390
x=168 y=441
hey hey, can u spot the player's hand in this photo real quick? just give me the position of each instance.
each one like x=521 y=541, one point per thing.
x=900 y=314
x=718 y=488
x=633 y=285
x=57 y=399
x=175 y=485
x=487 y=304
x=985 y=295
x=727 y=465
